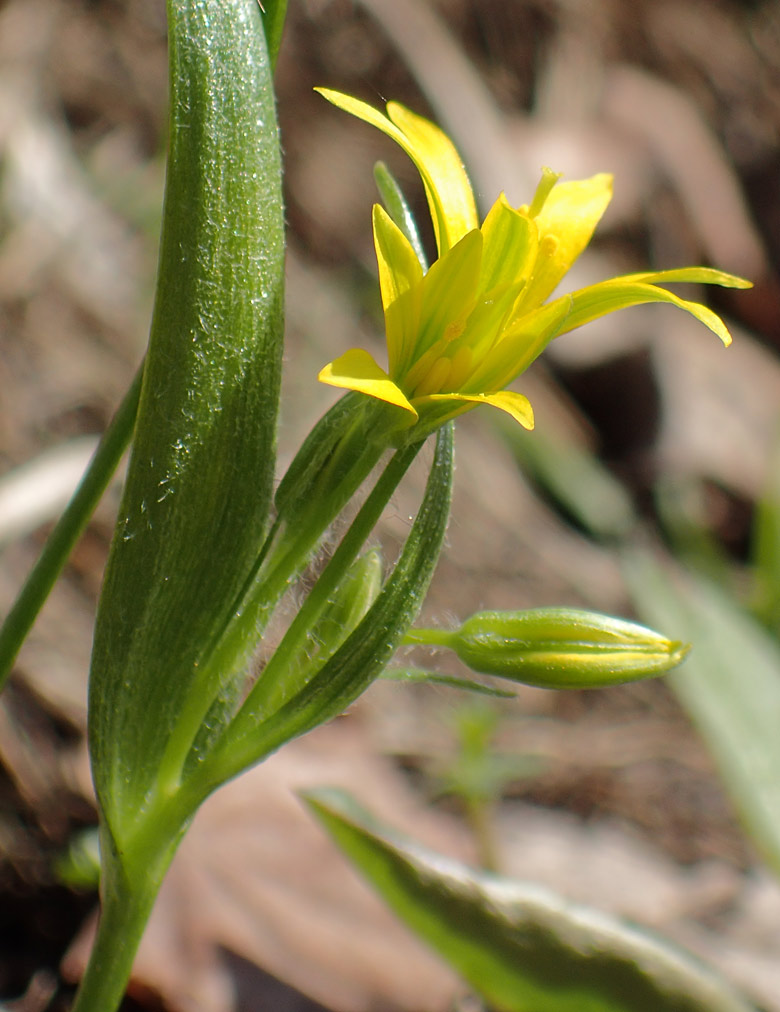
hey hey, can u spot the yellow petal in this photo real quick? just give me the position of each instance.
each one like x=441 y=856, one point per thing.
x=357 y=370
x=519 y=345
x=514 y=404
x=449 y=292
x=566 y=223
x=598 y=300
x=450 y=197
x=400 y=275
x=697 y=275
x=510 y=246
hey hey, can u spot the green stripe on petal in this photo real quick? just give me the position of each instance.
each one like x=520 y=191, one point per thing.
x=598 y=300
x=517 y=348
x=449 y=292
x=450 y=196
x=510 y=248
x=400 y=275
x=357 y=370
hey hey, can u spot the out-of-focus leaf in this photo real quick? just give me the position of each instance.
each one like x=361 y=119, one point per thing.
x=575 y=479
x=522 y=947
x=730 y=686
x=681 y=505
x=766 y=548
x=67 y=530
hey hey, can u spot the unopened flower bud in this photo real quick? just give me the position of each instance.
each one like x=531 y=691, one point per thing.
x=557 y=648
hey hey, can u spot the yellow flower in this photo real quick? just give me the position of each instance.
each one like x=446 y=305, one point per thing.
x=460 y=332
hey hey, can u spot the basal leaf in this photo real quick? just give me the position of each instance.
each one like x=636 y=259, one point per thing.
x=523 y=948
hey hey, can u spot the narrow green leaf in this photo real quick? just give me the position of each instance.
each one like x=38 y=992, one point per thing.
x=274 y=12
x=322 y=449
x=67 y=530
x=523 y=948
x=196 y=504
x=730 y=686
x=766 y=548
x=397 y=207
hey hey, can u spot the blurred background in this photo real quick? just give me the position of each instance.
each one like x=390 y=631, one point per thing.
x=647 y=430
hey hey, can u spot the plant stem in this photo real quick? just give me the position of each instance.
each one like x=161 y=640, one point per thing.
x=124 y=911
x=428 y=637
x=275 y=681
x=68 y=529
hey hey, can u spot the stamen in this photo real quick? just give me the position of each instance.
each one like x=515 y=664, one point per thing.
x=423 y=365
x=546 y=183
x=436 y=378
x=548 y=246
x=461 y=367
x=454 y=329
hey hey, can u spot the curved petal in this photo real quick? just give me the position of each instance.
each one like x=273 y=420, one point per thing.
x=697 y=275
x=514 y=404
x=450 y=197
x=357 y=370
x=608 y=296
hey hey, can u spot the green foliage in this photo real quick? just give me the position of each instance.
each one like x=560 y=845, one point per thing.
x=199 y=562
x=397 y=206
x=196 y=503
x=766 y=550
x=730 y=686
x=274 y=12
x=519 y=946
x=67 y=530
x=368 y=649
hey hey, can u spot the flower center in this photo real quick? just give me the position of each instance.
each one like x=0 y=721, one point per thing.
x=450 y=371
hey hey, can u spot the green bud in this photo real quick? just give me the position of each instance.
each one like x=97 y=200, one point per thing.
x=557 y=648
x=350 y=602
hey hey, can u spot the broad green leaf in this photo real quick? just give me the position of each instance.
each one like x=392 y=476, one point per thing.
x=196 y=505
x=523 y=948
x=730 y=686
